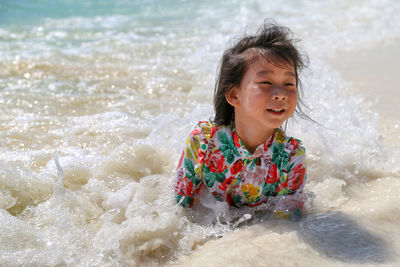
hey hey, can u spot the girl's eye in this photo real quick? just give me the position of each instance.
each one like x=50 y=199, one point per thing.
x=266 y=82
x=289 y=84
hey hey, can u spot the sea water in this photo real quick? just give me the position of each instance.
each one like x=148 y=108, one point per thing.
x=97 y=98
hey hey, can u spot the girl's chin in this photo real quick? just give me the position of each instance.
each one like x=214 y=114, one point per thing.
x=274 y=122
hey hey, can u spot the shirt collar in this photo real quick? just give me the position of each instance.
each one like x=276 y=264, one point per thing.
x=260 y=150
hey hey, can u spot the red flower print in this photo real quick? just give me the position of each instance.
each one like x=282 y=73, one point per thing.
x=296 y=177
x=292 y=146
x=181 y=160
x=197 y=190
x=200 y=156
x=272 y=176
x=237 y=167
x=228 y=198
x=223 y=186
x=214 y=129
x=211 y=146
x=294 y=143
x=215 y=162
x=235 y=138
x=184 y=187
x=268 y=144
x=195 y=132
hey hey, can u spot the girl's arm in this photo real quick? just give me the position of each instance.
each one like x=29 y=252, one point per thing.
x=188 y=177
x=291 y=206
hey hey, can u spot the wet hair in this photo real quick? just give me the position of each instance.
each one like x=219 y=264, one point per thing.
x=270 y=41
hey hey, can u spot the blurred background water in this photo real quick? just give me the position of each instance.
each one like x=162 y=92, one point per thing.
x=110 y=90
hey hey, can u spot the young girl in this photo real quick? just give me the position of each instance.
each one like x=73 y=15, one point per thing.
x=242 y=156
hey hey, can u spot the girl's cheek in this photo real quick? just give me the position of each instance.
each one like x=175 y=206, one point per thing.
x=262 y=92
x=293 y=96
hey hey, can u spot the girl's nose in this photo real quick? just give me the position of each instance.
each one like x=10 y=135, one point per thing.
x=279 y=94
x=280 y=97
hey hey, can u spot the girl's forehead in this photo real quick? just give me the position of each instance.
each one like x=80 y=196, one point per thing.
x=264 y=65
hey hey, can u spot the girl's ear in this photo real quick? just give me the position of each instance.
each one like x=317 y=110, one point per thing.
x=231 y=96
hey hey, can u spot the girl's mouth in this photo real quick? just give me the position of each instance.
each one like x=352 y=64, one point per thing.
x=275 y=111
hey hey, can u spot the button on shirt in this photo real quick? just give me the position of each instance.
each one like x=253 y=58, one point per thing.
x=215 y=157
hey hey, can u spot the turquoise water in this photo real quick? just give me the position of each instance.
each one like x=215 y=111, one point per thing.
x=109 y=90
x=21 y=12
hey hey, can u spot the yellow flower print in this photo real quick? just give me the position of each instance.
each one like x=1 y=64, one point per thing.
x=192 y=145
x=250 y=192
x=206 y=127
x=279 y=136
x=300 y=151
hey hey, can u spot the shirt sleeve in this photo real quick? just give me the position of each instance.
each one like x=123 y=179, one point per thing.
x=189 y=173
x=291 y=205
x=297 y=169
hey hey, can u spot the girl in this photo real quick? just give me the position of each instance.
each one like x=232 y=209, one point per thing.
x=242 y=156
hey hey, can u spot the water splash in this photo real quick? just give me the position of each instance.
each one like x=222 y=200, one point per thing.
x=58 y=186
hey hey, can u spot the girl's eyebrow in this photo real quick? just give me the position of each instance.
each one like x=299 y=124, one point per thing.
x=265 y=72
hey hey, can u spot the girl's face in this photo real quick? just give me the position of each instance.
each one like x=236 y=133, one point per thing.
x=267 y=95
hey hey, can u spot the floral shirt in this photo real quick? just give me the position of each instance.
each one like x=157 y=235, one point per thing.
x=215 y=157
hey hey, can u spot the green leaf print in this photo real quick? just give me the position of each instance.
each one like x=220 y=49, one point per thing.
x=196 y=180
x=190 y=172
x=289 y=167
x=285 y=160
x=218 y=197
x=209 y=177
x=269 y=189
x=236 y=151
x=280 y=157
x=230 y=158
x=189 y=166
x=277 y=153
x=224 y=149
x=237 y=200
x=223 y=138
x=251 y=163
x=227 y=147
x=185 y=202
x=220 y=177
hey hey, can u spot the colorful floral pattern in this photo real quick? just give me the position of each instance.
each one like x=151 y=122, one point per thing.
x=216 y=158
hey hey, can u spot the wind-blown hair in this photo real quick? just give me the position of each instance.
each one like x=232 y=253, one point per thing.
x=271 y=40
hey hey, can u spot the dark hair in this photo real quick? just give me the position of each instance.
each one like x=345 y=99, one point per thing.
x=271 y=39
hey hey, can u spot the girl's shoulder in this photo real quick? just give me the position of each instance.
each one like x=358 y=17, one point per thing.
x=289 y=143
x=208 y=129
